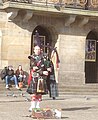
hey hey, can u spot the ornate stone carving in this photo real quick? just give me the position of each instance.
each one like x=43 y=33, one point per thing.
x=82 y=2
x=94 y=3
x=70 y=20
x=12 y=14
x=28 y=15
x=83 y=21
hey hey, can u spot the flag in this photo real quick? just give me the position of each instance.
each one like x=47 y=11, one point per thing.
x=55 y=58
x=56 y=61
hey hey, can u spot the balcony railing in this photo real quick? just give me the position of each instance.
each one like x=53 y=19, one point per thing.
x=82 y=4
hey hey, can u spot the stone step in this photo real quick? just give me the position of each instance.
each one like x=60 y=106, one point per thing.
x=24 y=93
x=78 y=93
x=1 y=81
x=79 y=86
x=66 y=89
x=78 y=90
x=89 y=89
x=93 y=87
x=18 y=93
x=2 y=87
x=13 y=91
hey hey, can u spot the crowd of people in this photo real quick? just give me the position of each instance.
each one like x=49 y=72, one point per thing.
x=8 y=74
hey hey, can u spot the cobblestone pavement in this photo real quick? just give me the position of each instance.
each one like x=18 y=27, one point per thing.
x=73 y=107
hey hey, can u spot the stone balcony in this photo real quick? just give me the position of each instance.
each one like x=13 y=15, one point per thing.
x=77 y=4
x=71 y=10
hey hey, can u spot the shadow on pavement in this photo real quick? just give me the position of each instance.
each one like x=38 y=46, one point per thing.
x=48 y=118
x=64 y=117
x=54 y=99
x=74 y=109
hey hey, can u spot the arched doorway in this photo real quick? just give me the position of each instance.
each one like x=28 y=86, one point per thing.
x=91 y=58
x=50 y=36
x=44 y=36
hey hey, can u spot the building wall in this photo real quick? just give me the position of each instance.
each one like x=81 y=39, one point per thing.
x=15 y=44
x=72 y=53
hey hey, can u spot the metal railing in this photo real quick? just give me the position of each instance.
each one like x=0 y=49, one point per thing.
x=83 y=4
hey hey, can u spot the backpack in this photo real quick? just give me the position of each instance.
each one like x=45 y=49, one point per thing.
x=3 y=73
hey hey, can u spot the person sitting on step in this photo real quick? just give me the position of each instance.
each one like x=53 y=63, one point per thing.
x=20 y=75
x=10 y=76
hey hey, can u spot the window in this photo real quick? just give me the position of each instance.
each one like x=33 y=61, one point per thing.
x=90 y=50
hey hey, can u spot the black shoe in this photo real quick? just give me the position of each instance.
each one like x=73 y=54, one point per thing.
x=53 y=98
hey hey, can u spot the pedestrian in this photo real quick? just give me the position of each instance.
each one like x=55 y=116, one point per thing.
x=38 y=75
x=10 y=76
x=51 y=82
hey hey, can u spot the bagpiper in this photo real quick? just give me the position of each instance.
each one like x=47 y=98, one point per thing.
x=39 y=71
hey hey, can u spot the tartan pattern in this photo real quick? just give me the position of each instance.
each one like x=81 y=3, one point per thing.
x=33 y=87
x=53 y=89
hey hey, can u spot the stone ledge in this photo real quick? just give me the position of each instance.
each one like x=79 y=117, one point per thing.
x=49 y=9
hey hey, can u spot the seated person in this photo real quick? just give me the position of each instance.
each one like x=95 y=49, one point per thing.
x=3 y=73
x=20 y=74
x=11 y=76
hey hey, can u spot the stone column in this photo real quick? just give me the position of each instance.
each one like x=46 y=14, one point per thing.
x=72 y=59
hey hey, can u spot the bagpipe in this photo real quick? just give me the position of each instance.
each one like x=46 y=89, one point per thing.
x=40 y=64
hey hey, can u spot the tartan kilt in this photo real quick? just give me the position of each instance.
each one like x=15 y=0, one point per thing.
x=53 y=89
x=37 y=86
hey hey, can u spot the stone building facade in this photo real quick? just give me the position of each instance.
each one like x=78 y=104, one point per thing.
x=66 y=25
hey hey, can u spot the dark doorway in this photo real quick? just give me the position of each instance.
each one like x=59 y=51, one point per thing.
x=91 y=64
x=44 y=35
